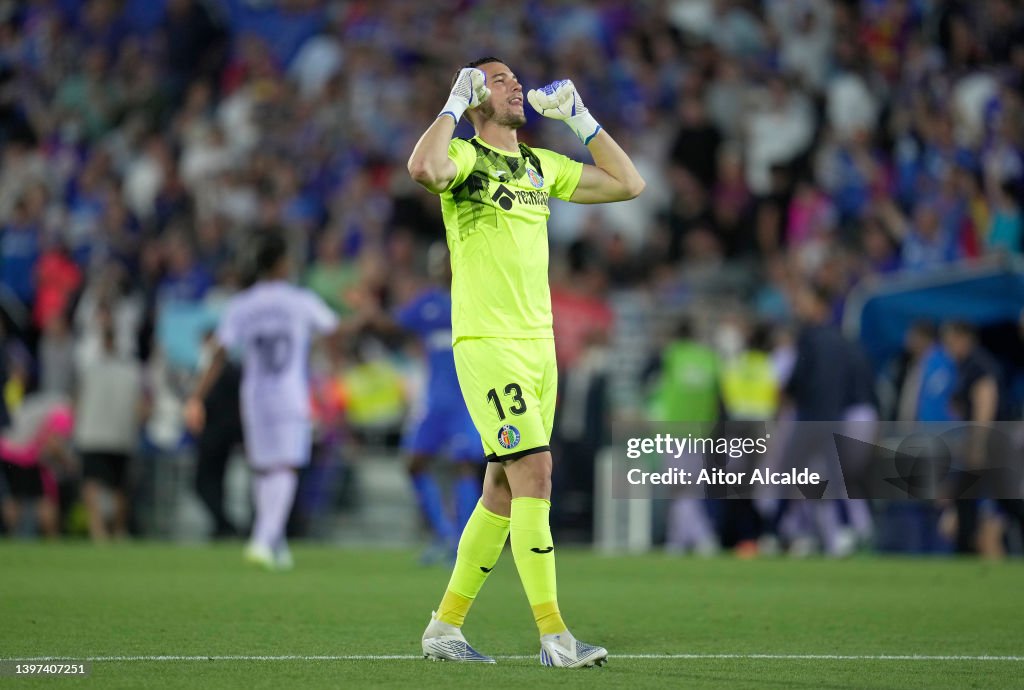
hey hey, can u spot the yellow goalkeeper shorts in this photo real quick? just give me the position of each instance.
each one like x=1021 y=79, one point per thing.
x=510 y=386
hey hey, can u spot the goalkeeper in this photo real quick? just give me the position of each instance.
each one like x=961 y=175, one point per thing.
x=494 y=199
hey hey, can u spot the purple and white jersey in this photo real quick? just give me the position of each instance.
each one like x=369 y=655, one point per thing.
x=272 y=324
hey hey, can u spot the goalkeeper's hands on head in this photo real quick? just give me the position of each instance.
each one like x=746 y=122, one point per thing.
x=559 y=100
x=468 y=91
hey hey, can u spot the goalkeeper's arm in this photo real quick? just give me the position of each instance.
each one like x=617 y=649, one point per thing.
x=429 y=164
x=613 y=177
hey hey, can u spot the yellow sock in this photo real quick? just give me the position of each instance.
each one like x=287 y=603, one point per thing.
x=534 y=552
x=453 y=608
x=479 y=548
x=548 y=617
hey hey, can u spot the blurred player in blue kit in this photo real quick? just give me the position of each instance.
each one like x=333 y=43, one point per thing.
x=439 y=424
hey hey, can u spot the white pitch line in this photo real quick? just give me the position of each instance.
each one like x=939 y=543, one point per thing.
x=409 y=657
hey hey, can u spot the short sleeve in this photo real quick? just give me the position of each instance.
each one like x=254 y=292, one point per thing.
x=227 y=328
x=321 y=318
x=566 y=177
x=461 y=153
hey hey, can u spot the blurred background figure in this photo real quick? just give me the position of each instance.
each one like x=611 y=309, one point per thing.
x=35 y=451
x=583 y=427
x=1006 y=229
x=220 y=437
x=110 y=406
x=686 y=390
x=819 y=387
x=5 y=412
x=750 y=399
x=273 y=326
x=861 y=422
x=926 y=381
x=978 y=397
x=439 y=425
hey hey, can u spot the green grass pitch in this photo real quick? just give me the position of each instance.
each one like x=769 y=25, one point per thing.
x=146 y=600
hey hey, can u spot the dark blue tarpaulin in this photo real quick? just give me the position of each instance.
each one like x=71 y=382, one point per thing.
x=879 y=316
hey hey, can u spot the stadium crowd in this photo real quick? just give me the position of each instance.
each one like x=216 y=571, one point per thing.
x=793 y=150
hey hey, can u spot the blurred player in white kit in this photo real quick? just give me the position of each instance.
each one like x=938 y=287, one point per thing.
x=271 y=325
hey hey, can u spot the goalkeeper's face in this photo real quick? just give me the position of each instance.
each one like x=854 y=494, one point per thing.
x=505 y=106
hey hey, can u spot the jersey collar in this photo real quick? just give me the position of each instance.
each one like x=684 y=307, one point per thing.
x=516 y=153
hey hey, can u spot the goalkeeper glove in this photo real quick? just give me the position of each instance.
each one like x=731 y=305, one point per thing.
x=560 y=101
x=469 y=91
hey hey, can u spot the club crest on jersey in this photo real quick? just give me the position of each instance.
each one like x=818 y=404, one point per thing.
x=509 y=437
x=535 y=179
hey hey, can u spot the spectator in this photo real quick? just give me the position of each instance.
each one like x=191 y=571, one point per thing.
x=33 y=450
x=978 y=398
x=697 y=142
x=731 y=205
x=330 y=276
x=1005 y=231
x=926 y=244
x=881 y=253
x=860 y=421
x=57 y=357
x=820 y=390
x=810 y=224
x=578 y=302
x=686 y=390
x=109 y=289
x=186 y=280
x=108 y=411
x=852 y=172
x=583 y=429
x=16 y=364
x=58 y=280
x=977 y=211
x=220 y=436
x=726 y=94
x=928 y=378
x=5 y=372
x=89 y=99
x=750 y=399
x=195 y=42
x=19 y=240
x=318 y=61
x=804 y=30
x=780 y=126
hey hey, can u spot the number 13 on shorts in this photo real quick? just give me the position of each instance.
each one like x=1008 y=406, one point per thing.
x=518 y=404
x=510 y=386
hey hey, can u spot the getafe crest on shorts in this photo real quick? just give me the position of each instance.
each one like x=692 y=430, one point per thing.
x=509 y=437
x=535 y=179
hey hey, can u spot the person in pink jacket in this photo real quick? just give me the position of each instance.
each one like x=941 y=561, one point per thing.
x=36 y=443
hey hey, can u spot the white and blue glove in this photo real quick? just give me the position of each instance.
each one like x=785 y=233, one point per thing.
x=469 y=91
x=560 y=101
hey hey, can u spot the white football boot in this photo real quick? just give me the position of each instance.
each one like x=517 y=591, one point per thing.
x=444 y=642
x=566 y=651
x=283 y=559
x=260 y=555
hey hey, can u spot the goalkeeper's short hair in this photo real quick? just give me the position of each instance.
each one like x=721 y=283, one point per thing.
x=475 y=63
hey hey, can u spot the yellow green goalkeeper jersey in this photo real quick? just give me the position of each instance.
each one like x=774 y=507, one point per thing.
x=496 y=216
